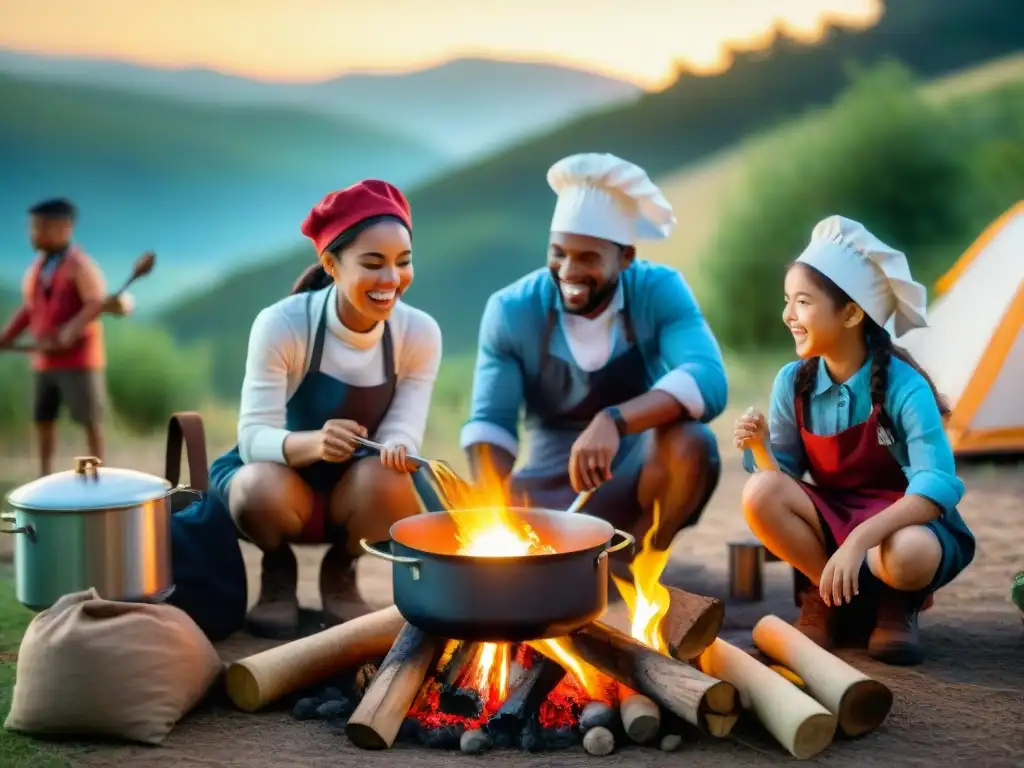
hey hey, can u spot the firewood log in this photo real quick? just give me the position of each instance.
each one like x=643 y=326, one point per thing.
x=691 y=624
x=859 y=703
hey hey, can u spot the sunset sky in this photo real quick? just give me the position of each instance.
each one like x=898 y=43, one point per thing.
x=315 y=39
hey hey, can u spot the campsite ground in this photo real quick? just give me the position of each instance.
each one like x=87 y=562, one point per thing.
x=965 y=704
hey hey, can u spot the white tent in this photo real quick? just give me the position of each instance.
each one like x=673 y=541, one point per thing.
x=974 y=345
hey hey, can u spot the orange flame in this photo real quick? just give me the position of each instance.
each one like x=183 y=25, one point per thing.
x=646 y=598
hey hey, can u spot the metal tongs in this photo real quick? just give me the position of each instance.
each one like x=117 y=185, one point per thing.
x=442 y=478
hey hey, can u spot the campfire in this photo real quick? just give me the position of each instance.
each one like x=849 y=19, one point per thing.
x=646 y=683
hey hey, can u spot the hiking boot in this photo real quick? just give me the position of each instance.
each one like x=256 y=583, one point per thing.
x=816 y=619
x=338 y=588
x=895 y=639
x=276 y=613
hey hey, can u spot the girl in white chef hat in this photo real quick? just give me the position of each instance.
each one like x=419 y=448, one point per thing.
x=862 y=418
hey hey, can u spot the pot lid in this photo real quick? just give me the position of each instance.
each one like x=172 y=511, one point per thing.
x=88 y=486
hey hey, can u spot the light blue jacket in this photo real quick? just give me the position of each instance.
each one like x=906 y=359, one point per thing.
x=669 y=327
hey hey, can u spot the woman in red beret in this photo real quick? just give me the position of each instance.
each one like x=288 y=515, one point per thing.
x=340 y=357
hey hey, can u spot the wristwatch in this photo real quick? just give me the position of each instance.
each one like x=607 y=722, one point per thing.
x=620 y=423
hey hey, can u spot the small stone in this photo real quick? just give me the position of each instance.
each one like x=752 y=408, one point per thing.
x=306 y=709
x=331 y=694
x=561 y=738
x=474 y=742
x=332 y=709
x=445 y=737
x=596 y=714
x=671 y=742
x=598 y=741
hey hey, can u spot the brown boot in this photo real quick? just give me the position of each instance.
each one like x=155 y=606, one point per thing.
x=338 y=588
x=276 y=613
x=895 y=639
x=816 y=618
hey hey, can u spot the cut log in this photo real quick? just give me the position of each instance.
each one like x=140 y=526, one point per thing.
x=455 y=665
x=691 y=624
x=456 y=697
x=799 y=723
x=386 y=702
x=675 y=685
x=721 y=726
x=641 y=718
x=258 y=680
x=524 y=702
x=859 y=703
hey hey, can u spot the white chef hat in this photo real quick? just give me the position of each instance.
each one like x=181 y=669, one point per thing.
x=604 y=196
x=874 y=275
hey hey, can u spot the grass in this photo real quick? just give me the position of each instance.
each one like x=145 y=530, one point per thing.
x=17 y=751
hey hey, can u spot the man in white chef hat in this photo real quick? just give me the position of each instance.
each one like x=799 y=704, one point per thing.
x=611 y=359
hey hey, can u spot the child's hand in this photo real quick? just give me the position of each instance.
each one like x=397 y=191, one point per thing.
x=750 y=428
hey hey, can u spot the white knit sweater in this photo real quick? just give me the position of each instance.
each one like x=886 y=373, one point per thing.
x=278 y=358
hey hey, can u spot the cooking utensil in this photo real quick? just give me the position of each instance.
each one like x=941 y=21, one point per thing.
x=92 y=526
x=438 y=487
x=142 y=267
x=582 y=499
x=500 y=599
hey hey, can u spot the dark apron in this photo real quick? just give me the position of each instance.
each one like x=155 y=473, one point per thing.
x=318 y=399
x=561 y=401
x=856 y=477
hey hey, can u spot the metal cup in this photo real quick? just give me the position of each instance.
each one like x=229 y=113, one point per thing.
x=746 y=571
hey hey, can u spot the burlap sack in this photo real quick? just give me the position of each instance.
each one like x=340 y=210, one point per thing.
x=92 y=667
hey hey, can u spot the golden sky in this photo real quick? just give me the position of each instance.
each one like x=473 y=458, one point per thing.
x=315 y=39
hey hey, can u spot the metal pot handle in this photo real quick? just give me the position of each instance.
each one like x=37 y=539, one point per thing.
x=182 y=488
x=627 y=541
x=411 y=562
x=10 y=517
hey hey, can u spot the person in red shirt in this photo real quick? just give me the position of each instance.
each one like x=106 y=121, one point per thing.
x=62 y=294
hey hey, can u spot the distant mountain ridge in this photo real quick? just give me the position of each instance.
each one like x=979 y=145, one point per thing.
x=464 y=107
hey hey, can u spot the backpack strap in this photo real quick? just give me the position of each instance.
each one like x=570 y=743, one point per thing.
x=185 y=429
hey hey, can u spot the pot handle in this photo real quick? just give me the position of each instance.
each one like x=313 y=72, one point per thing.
x=10 y=517
x=412 y=562
x=627 y=541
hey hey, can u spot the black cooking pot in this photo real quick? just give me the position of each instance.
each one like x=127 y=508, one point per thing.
x=500 y=599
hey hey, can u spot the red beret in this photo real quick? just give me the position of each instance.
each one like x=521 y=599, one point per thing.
x=343 y=209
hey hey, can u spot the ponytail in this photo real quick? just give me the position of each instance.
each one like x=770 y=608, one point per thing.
x=314 y=278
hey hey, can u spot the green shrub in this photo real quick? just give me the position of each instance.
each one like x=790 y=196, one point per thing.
x=881 y=154
x=149 y=376
x=15 y=398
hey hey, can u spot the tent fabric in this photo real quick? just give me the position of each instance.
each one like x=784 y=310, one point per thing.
x=974 y=345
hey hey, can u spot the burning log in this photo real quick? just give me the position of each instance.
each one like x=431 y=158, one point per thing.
x=454 y=698
x=375 y=722
x=641 y=718
x=691 y=624
x=860 y=703
x=675 y=685
x=524 y=702
x=257 y=680
x=799 y=723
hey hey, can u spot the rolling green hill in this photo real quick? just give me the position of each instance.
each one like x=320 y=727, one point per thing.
x=482 y=226
x=198 y=183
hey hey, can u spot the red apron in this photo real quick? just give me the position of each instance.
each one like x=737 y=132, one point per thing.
x=855 y=476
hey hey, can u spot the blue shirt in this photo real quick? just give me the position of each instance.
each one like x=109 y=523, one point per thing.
x=921 y=446
x=675 y=341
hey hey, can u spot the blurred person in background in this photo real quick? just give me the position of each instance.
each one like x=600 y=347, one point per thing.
x=612 y=359
x=63 y=293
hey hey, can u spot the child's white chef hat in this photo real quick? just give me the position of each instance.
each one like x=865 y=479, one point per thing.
x=604 y=196
x=874 y=275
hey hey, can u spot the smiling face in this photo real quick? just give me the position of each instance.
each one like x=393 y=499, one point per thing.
x=586 y=270
x=371 y=273
x=821 y=317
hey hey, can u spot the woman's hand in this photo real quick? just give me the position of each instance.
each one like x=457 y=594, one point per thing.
x=337 y=439
x=840 y=579
x=750 y=428
x=393 y=456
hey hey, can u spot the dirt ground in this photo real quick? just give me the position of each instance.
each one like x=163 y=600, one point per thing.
x=965 y=704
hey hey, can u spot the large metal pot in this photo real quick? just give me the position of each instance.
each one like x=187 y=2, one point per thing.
x=92 y=527
x=501 y=599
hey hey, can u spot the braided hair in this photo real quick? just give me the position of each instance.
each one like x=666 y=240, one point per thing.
x=880 y=349
x=315 y=277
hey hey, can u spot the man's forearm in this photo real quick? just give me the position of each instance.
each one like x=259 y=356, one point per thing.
x=17 y=326
x=650 y=410
x=76 y=325
x=489 y=463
